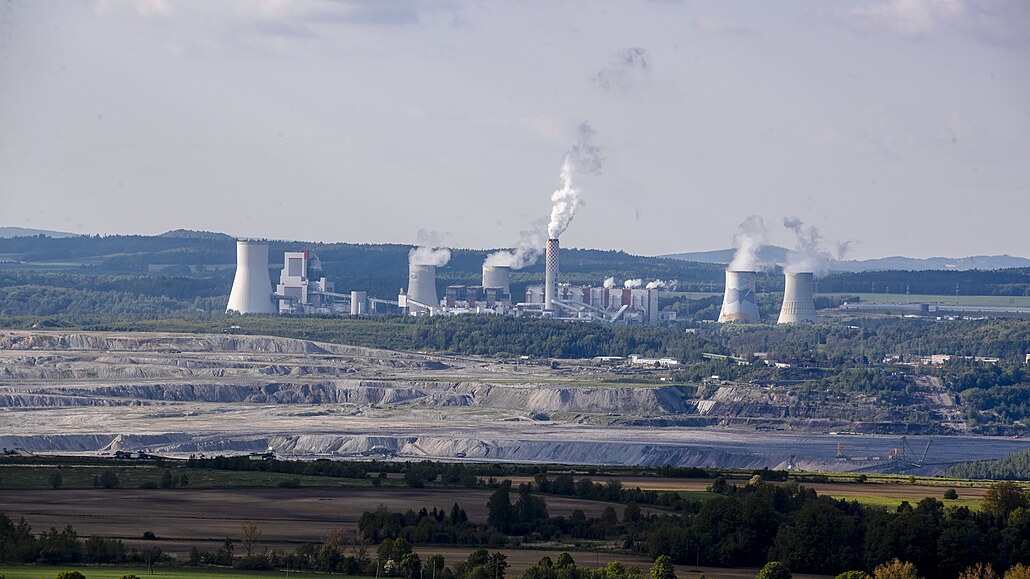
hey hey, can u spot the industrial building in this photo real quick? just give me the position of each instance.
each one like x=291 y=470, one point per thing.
x=302 y=288
x=625 y=305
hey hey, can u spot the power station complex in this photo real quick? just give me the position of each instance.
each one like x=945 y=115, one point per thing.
x=302 y=289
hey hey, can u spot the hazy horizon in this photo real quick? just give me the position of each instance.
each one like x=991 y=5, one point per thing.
x=900 y=126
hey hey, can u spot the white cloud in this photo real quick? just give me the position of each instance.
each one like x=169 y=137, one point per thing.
x=999 y=22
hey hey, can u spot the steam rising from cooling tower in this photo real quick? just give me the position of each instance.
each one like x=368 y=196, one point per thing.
x=798 y=299
x=632 y=283
x=809 y=254
x=252 y=287
x=751 y=235
x=609 y=282
x=526 y=252
x=430 y=250
x=738 y=302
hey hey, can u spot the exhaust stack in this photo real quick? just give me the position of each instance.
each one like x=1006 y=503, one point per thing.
x=551 y=274
x=252 y=287
x=798 y=299
x=738 y=302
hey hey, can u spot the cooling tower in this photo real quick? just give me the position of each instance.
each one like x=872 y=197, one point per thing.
x=497 y=276
x=550 y=274
x=422 y=285
x=252 y=287
x=738 y=303
x=798 y=299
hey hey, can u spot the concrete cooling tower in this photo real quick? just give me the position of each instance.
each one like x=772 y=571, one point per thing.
x=497 y=276
x=738 y=303
x=798 y=299
x=551 y=274
x=422 y=285
x=252 y=287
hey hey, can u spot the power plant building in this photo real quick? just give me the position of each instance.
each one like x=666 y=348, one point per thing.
x=251 y=287
x=302 y=288
x=626 y=305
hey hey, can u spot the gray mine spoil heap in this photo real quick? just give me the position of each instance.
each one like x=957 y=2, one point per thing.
x=177 y=394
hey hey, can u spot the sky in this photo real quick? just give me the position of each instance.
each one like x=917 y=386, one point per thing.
x=895 y=127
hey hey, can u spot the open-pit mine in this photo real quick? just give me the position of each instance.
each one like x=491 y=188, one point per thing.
x=178 y=394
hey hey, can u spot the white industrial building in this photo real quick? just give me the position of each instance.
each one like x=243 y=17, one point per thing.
x=626 y=305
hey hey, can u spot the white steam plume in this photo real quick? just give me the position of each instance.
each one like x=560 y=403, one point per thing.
x=429 y=251
x=632 y=283
x=526 y=252
x=750 y=237
x=662 y=284
x=609 y=282
x=583 y=157
x=810 y=253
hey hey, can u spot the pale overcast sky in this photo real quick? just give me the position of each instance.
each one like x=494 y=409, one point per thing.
x=902 y=125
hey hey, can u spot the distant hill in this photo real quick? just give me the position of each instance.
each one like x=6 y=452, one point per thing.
x=770 y=254
x=191 y=234
x=983 y=262
x=773 y=254
x=8 y=232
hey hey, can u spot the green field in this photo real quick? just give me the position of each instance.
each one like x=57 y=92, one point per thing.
x=81 y=476
x=47 y=572
x=950 y=300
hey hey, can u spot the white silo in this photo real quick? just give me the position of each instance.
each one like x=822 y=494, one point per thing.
x=551 y=274
x=252 y=287
x=358 y=303
x=798 y=299
x=422 y=285
x=738 y=302
x=497 y=276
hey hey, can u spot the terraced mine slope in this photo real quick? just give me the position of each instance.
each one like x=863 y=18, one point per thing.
x=184 y=394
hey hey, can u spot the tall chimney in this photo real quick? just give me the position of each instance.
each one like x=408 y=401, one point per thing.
x=422 y=285
x=738 y=302
x=798 y=299
x=252 y=287
x=550 y=274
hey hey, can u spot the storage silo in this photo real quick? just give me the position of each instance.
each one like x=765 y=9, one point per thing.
x=358 y=303
x=252 y=287
x=798 y=299
x=738 y=301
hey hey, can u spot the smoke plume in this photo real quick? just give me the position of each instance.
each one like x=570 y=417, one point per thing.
x=526 y=252
x=583 y=157
x=632 y=283
x=810 y=253
x=750 y=237
x=429 y=251
x=609 y=282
